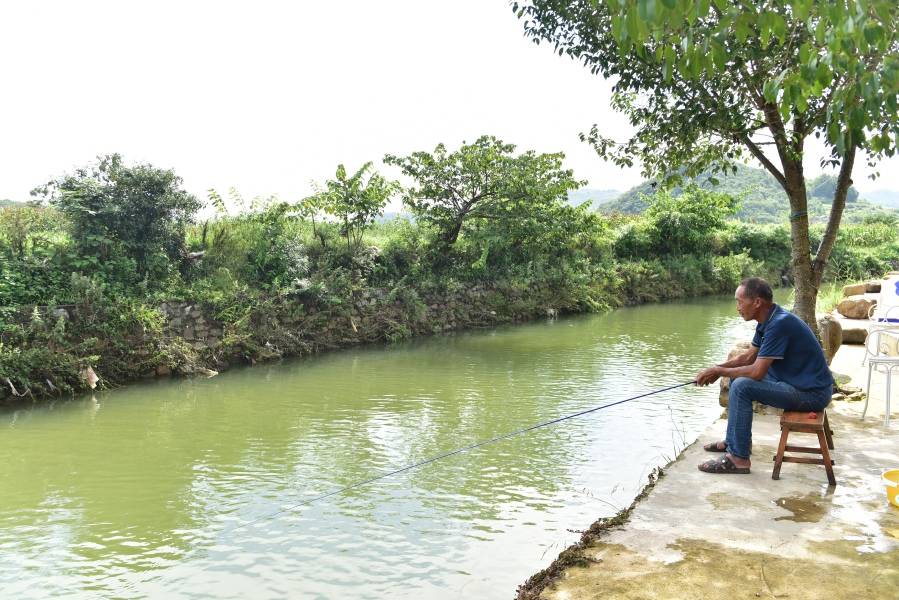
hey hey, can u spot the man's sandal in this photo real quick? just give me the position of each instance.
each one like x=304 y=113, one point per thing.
x=715 y=447
x=722 y=465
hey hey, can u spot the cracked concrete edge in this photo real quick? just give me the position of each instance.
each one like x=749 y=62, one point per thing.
x=646 y=532
x=753 y=516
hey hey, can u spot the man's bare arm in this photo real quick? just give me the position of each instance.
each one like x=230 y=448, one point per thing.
x=757 y=370
x=747 y=364
x=742 y=360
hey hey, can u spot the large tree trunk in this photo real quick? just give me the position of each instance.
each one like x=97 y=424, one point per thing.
x=792 y=178
x=452 y=234
x=809 y=273
x=805 y=291
x=806 y=287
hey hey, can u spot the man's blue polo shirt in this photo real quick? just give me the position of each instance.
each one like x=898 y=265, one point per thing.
x=798 y=357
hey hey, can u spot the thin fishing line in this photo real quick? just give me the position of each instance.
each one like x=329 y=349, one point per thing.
x=453 y=453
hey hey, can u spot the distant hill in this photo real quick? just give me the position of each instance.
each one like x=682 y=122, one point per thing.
x=391 y=215
x=4 y=202
x=762 y=198
x=888 y=198
x=596 y=197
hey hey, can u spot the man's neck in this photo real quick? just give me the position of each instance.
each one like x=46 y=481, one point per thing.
x=764 y=313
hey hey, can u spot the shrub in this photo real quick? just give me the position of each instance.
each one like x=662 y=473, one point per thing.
x=139 y=212
x=684 y=224
x=729 y=271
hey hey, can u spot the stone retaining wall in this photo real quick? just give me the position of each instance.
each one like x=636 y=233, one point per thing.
x=187 y=321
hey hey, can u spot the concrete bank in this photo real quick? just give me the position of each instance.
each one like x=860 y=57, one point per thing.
x=697 y=535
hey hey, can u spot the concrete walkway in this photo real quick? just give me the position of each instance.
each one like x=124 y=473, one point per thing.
x=747 y=536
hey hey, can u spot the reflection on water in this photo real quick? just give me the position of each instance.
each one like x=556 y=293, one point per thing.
x=165 y=489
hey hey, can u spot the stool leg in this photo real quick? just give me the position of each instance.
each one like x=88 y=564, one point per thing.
x=828 y=432
x=779 y=457
x=826 y=454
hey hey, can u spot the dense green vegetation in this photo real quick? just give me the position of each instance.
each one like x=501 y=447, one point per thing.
x=761 y=198
x=492 y=236
x=492 y=240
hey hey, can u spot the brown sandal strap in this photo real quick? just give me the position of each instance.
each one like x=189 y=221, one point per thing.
x=713 y=447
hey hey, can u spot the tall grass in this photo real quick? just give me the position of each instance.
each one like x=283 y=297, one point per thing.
x=829 y=296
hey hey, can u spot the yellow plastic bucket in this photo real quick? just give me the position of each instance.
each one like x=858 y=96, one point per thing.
x=891 y=480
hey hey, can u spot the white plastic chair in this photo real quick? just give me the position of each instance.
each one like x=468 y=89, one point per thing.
x=881 y=352
x=884 y=321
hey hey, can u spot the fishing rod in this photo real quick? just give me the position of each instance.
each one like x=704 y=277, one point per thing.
x=453 y=453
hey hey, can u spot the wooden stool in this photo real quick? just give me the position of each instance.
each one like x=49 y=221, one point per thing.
x=805 y=422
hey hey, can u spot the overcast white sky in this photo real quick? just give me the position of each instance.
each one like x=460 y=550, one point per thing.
x=268 y=96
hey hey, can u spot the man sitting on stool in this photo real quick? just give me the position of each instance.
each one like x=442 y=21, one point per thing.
x=784 y=368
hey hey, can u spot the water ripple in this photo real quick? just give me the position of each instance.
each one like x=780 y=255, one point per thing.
x=190 y=489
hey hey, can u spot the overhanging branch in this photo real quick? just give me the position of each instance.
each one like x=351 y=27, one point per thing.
x=760 y=156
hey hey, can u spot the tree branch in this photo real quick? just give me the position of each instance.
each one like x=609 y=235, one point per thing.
x=844 y=180
x=760 y=156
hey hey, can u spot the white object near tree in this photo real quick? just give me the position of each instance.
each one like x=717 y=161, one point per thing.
x=887 y=308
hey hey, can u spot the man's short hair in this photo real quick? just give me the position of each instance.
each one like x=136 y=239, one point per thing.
x=756 y=287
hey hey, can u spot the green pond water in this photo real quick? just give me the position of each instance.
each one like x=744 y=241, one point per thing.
x=183 y=488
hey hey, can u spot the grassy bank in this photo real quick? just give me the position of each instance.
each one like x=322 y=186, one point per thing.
x=277 y=279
